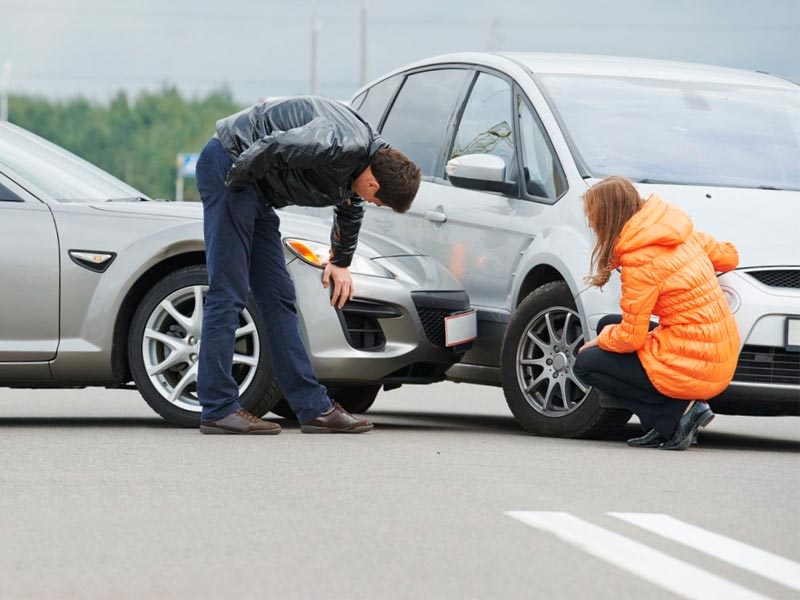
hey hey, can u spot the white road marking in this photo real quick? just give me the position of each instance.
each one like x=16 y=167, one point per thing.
x=761 y=562
x=671 y=574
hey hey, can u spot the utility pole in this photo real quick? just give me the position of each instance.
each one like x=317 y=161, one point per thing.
x=5 y=84
x=179 y=179
x=362 y=79
x=494 y=35
x=315 y=27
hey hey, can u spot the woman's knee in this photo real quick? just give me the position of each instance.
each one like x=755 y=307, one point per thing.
x=585 y=363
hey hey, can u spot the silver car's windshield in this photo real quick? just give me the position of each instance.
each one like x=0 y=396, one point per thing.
x=680 y=132
x=59 y=173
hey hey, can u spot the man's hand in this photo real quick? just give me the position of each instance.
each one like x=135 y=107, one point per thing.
x=236 y=180
x=342 y=284
x=591 y=344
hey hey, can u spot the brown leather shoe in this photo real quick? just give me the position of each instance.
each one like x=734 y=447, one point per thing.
x=336 y=420
x=240 y=422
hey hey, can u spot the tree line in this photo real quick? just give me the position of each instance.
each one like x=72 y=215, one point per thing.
x=136 y=139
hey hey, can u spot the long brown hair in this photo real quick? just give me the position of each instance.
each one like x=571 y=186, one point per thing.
x=608 y=205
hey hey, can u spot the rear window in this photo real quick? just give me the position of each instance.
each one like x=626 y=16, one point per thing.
x=6 y=195
x=681 y=132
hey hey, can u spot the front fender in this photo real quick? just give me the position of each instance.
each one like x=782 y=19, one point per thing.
x=90 y=302
x=566 y=250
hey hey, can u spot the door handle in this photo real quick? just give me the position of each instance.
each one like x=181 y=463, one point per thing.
x=436 y=216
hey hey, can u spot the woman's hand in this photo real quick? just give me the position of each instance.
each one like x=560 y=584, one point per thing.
x=343 y=289
x=590 y=344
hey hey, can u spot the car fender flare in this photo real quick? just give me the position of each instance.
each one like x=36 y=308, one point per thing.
x=546 y=251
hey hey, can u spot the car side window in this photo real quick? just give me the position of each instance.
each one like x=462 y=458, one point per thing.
x=542 y=174
x=372 y=104
x=421 y=113
x=487 y=124
x=6 y=195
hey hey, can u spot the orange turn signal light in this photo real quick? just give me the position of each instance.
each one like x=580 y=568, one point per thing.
x=305 y=252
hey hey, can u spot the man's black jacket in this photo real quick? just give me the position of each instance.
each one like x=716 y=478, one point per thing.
x=306 y=151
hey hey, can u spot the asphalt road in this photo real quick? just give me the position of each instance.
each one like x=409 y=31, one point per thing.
x=100 y=499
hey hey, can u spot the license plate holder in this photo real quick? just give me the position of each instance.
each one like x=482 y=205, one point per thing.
x=793 y=334
x=460 y=328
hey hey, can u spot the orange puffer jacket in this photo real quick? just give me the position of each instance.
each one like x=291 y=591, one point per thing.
x=668 y=271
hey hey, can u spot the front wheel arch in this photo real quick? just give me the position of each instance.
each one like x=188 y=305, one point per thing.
x=120 y=361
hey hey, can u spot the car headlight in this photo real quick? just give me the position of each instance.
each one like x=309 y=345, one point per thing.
x=317 y=254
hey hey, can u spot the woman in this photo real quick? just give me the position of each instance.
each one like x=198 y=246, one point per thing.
x=662 y=372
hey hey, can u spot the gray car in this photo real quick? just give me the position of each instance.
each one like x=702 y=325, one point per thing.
x=101 y=286
x=508 y=143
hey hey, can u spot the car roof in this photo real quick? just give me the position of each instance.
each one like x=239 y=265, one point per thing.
x=611 y=66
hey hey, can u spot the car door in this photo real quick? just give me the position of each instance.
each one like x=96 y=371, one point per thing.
x=29 y=277
x=471 y=231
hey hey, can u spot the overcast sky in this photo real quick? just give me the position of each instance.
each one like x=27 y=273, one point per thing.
x=63 y=48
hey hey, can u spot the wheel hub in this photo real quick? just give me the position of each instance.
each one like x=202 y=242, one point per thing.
x=545 y=355
x=560 y=362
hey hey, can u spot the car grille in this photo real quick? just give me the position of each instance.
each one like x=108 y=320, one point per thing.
x=783 y=278
x=433 y=324
x=433 y=307
x=762 y=364
x=359 y=319
x=364 y=333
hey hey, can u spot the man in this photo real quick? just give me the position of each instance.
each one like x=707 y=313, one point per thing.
x=305 y=151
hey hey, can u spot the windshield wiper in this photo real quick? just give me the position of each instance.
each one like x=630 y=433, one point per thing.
x=654 y=181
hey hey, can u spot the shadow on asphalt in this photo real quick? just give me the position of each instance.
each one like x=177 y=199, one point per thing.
x=423 y=422
x=718 y=440
x=500 y=424
x=126 y=422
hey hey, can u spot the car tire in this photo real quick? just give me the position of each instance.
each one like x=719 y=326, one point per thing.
x=165 y=322
x=538 y=353
x=282 y=409
x=354 y=399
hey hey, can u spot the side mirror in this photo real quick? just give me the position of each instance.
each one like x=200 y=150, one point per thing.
x=479 y=172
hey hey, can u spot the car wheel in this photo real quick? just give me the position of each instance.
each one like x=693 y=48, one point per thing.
x=164 y=344
x=538 y=356
x=354 y=399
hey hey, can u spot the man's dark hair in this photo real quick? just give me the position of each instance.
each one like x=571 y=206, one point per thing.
x=398 y=177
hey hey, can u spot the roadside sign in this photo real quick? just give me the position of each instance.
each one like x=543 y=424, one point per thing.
x=186 y=167
x=187 y=164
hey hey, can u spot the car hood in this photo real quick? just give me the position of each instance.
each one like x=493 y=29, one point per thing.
x=295 y=225
x=156 y=208
x=762 y=224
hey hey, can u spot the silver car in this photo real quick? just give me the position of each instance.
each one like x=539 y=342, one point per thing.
x=509 y=143
x=102 y=286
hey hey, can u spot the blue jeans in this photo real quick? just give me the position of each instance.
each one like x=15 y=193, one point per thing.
x=244 y=251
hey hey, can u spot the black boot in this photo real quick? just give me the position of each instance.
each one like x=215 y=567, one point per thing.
x=699 y=415
x=651 y=439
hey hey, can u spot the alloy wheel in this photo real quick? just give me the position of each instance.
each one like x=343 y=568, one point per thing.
x=546 y=356
x=171 y=347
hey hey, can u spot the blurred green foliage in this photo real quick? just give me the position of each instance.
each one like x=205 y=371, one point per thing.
x=136 y=140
